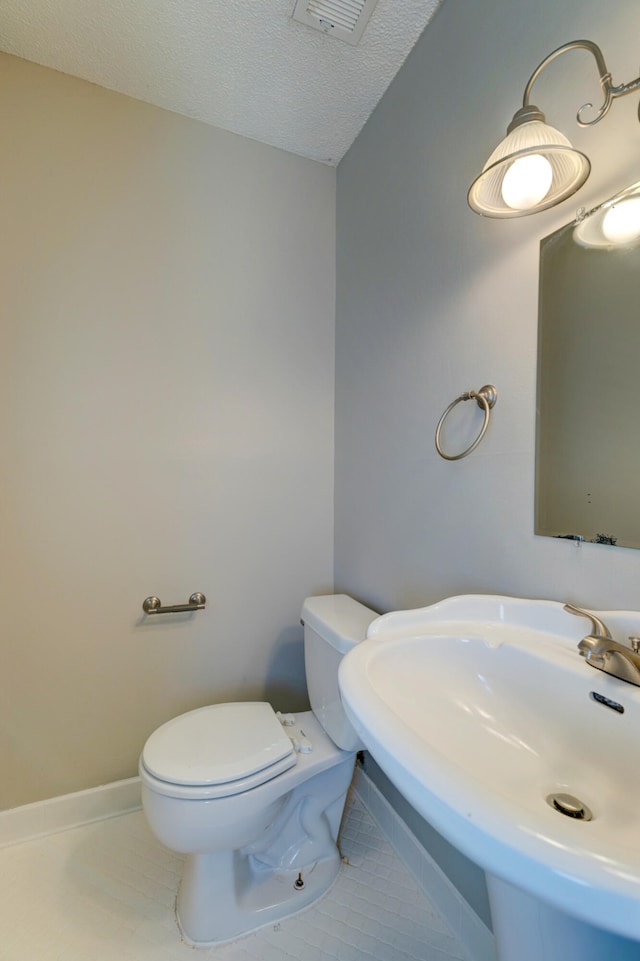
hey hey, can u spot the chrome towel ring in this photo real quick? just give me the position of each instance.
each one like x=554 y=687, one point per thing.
x=485 y=398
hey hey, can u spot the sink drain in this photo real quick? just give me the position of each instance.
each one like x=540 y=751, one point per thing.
x=570 y=806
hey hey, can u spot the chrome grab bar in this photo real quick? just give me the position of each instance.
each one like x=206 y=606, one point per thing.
x=153 y=605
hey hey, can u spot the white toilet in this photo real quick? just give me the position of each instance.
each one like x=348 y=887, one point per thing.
x=254 y=798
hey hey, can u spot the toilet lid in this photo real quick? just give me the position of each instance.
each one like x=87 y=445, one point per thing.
x=217 y=744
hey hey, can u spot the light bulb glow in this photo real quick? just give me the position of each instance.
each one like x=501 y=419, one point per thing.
x=527 y=182
x=621 y=223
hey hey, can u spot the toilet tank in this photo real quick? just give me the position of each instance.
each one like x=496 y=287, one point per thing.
x=333 y=625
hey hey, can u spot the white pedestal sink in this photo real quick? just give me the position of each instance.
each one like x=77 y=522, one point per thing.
x=481 y=711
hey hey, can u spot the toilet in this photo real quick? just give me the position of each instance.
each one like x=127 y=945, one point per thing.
x=254 y=798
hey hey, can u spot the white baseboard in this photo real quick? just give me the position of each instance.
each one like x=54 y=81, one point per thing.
x=68 y=811
x=475 y=937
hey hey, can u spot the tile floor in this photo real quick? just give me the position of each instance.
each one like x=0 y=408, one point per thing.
x=105 y=892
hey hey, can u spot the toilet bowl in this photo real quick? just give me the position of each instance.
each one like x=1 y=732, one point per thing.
x=254 y=799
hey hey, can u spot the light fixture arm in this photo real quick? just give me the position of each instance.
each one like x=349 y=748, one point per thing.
x=609 y=90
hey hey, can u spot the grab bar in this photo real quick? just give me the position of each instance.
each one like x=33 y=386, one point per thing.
x=484 y=398
x=153 y=605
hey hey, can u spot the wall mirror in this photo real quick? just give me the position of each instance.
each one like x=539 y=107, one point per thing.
x=588 y=396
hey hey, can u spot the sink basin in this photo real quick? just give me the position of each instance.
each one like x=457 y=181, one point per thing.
x=480 y=709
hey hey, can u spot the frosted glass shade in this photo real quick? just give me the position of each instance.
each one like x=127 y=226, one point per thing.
x=569 y=170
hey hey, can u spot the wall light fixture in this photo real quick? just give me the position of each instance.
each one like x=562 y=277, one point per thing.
x=535 y=166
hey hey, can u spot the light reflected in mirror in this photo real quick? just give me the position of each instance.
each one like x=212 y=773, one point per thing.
x=588 y=400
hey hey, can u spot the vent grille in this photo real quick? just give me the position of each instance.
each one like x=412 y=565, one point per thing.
x=343 y=19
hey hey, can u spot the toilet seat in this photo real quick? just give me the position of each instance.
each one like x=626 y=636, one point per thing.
x=217 y=751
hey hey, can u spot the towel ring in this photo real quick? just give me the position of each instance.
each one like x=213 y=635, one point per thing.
x=485 y=398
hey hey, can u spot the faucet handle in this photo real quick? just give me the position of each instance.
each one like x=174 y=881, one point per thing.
x=598 y=627
x=635 y=644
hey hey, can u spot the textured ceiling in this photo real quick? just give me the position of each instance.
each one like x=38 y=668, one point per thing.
x=243 y=65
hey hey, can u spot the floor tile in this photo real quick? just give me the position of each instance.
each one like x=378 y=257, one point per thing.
x=106 y=891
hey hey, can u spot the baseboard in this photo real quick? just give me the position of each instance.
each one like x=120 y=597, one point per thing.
x=475 y=937
x=68 y=811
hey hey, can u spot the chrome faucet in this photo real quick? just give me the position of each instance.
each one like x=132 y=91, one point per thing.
x=602 y=652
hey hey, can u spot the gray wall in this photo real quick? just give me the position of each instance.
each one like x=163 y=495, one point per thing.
x=166 y=415
x=433 y=300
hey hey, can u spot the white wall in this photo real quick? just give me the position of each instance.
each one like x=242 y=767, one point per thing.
x=166 y=422
x=433 y=300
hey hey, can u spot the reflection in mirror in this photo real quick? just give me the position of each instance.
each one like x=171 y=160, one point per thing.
x=588 y=407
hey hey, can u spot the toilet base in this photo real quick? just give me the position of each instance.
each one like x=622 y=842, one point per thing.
x=224 y=894
x=209 y=912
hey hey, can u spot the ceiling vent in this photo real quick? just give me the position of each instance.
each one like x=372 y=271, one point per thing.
x=343 y=19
